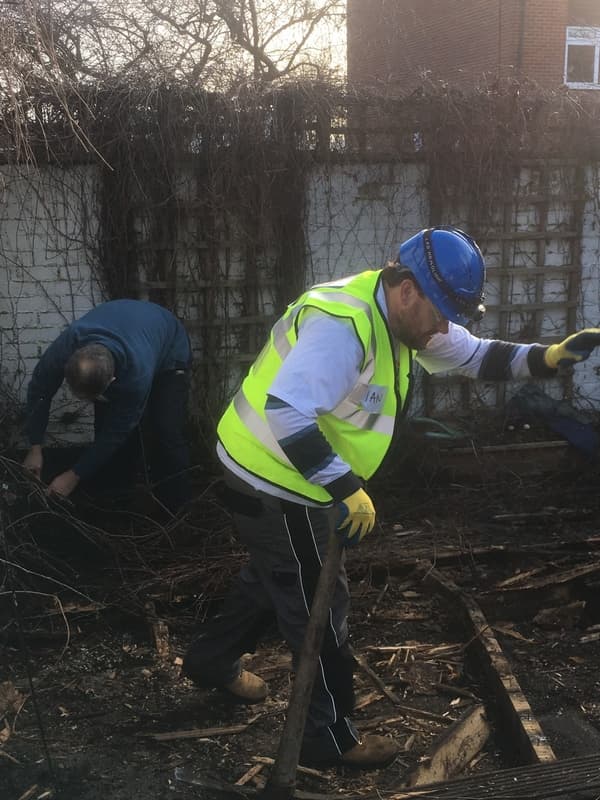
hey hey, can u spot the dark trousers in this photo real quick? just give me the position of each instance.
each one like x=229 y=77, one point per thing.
x=159 y=441
x=286 y=544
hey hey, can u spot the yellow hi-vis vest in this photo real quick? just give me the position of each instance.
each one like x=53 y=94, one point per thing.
x=361 y=427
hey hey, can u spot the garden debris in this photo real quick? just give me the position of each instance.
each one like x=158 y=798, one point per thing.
x=160 y=630
x=422 y=676
x=11 y=703
x=590 y=637
x=113 y=686
x=197 y=733
x=457 y=746
x=409 y=710
x=561 y=616
x=557 y=578
x=11 y=699
x=250 y=774
x=314 y=773
x=29 y=793
x=508 y=629
x=521 y=577
x=564 y=778
x=517 y=714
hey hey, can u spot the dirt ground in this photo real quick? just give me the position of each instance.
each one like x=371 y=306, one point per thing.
x=92 y=704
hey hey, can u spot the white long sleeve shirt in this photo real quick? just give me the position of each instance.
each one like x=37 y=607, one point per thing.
x=324 y=366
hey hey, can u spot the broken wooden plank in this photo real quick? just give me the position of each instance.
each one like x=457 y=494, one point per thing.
x=517 y=714
x=524 y=601
x=454 y=749
x=521 y=576
x=564 y=778
x=555 y=579
x=249 y=774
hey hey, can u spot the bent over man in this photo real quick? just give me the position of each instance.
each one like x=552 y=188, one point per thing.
x=131 y=358
x=312 y=421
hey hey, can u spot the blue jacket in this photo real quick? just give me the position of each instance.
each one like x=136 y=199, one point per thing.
x=145 y=339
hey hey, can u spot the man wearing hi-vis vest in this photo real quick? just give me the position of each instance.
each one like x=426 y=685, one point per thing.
x=312 y=421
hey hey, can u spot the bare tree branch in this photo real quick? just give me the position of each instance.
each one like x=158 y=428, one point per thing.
x=212 y=41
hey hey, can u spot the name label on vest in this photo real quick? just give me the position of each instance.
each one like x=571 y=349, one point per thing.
x=374 y=398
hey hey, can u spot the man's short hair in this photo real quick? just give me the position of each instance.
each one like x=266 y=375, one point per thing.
x=394 y=273
x=89 y=370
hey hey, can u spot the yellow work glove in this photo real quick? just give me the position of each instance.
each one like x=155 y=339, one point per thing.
x=357 y=517
x=574 y=348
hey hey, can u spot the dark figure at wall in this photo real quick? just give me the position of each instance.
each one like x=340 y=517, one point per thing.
x=132 y=359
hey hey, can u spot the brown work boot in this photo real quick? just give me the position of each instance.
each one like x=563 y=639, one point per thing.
x=370 y=752
x=247 y=687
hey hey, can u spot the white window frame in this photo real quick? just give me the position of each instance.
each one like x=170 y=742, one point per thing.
x=583 y=37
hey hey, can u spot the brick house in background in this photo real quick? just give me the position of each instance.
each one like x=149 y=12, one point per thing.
x=397 y=42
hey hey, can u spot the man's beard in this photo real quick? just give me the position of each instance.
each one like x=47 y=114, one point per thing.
x=409 y=339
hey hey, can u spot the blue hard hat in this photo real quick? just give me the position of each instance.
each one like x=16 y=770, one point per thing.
x=449 y=268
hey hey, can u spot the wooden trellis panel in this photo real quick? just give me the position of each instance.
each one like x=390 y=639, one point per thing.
x=533 y=276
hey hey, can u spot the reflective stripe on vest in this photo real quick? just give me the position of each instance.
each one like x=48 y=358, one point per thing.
x=360 y=428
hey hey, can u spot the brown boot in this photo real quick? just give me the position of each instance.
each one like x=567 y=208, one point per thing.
x=370 y=752
x=247 y=687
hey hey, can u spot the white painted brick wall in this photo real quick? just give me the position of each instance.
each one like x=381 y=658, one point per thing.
x=358 y=216
x=46 y=277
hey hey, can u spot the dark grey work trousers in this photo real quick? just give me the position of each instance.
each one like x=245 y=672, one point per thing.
x=286 y=543
x=163 y=426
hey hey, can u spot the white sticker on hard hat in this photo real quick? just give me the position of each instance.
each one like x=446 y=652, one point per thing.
x=374 y=398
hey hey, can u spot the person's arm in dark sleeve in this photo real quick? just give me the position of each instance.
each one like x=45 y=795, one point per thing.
x=46 y=380
x=499 y=360
x=308 y=450
x=122 y=417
